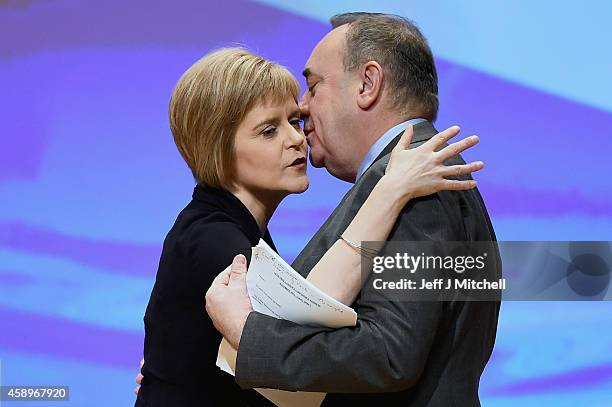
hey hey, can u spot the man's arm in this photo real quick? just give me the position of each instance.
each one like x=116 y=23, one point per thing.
x=386 y=351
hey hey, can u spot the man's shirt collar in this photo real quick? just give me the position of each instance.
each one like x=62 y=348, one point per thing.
x=382 y=142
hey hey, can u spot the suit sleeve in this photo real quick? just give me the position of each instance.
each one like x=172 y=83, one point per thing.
x=385 y=352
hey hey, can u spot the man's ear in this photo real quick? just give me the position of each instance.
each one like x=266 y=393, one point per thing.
x=371 y=82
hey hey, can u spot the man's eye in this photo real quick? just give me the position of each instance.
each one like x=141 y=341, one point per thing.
x=269 y=132
x=312 y=88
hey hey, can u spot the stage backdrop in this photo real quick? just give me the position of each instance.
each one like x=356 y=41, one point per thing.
x=90 y=180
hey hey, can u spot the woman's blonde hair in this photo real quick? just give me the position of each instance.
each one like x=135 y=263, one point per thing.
x=210 y=101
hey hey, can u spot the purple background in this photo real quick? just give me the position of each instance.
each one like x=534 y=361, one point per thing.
x=90 y=182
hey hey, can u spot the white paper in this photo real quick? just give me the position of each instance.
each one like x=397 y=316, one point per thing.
x=277 y=290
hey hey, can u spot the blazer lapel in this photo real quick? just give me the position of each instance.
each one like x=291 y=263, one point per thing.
x=423 y=131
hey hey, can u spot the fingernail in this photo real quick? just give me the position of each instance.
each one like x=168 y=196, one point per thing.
x=240 y=259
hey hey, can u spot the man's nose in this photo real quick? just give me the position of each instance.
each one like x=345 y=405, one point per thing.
x=304 y=104
x=305 y=111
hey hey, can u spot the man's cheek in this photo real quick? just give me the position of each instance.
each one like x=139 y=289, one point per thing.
x=316 y=159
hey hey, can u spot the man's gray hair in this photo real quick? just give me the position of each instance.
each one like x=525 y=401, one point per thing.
x=398 y=46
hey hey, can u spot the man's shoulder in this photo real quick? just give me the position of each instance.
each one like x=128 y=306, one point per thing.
x=372 y=175
x=440 y=216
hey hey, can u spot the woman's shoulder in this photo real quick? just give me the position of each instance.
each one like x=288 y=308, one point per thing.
x=201 y=234
x=197 y=226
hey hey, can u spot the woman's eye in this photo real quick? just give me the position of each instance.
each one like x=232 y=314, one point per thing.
x=269 y=132
x=297 y=123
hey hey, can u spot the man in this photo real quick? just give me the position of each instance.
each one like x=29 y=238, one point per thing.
x=365 y=78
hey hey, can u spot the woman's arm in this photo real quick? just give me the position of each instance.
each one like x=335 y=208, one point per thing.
x=410 y=173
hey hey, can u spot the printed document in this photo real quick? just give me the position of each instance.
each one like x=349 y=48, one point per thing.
x=277 y=290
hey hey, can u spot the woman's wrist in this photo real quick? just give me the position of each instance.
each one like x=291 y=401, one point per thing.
x=394 y=192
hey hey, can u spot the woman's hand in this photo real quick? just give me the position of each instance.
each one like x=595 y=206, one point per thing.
x=421 y=171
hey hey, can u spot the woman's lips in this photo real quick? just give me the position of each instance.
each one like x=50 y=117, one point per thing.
x=299 y=163
x=300 y=166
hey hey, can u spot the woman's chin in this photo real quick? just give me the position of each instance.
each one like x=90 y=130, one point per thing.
x=301 y=188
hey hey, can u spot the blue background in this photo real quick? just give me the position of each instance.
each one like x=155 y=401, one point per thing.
x=90 y=179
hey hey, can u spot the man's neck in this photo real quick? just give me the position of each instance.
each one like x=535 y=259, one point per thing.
x=372 y=132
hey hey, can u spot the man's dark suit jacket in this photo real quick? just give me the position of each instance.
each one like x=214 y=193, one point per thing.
x=400 y=353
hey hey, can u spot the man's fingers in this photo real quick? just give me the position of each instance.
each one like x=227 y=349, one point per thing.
x=457 y=170
x=226 y=276
x=238 y=268
x=139 y=378
x=222 y=278
x=239 y=264
x=458 y=147
x=436 y=142
x=405 y=140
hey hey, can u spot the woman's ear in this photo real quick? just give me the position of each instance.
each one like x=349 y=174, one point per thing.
x=371 y=80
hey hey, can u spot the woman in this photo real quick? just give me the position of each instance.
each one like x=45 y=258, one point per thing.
x=235 y=120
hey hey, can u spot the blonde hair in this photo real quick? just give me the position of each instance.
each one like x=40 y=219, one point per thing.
x=210 y=101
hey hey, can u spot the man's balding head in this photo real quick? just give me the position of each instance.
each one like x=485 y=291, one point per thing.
x=398 y=46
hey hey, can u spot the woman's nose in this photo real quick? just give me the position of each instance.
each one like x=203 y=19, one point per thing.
x=296 y=138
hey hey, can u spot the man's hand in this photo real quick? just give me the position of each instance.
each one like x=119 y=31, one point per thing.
x=228 y=303
x=139 y=377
